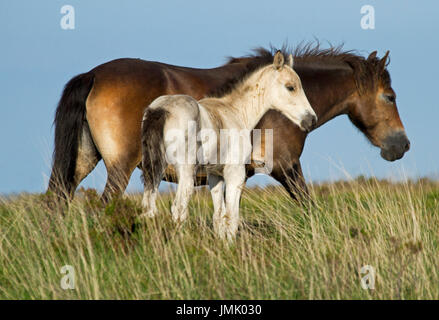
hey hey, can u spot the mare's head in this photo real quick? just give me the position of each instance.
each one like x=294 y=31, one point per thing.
x=373 y=109
x=283 y=92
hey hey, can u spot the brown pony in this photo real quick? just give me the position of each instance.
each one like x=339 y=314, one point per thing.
x=100 y=112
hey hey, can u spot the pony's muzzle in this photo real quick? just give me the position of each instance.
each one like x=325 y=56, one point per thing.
x=309 y=122
x=395 y=146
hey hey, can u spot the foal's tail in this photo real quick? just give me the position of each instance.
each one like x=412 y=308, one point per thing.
x=153 y=146
x=69 y=121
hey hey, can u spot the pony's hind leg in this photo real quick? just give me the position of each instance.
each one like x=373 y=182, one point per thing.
x=185 y=189
x=87 y=158
x=118 y=176
x=116 y=136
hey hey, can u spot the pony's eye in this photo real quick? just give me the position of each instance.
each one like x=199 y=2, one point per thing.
x=290 y=88
x=390 y=98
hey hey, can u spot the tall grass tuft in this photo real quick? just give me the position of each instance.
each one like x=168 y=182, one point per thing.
x=283 y=250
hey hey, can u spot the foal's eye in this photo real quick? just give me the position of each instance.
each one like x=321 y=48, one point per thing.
x=390 y=98
x=290 y=88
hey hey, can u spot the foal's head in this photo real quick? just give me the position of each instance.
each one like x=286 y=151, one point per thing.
x=285 y=92
x=373 y=110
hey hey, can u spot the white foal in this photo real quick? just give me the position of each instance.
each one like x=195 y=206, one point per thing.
x=187 y=134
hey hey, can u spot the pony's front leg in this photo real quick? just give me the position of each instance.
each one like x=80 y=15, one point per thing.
x=234 y=176
x=185 y=189
x=216 y=186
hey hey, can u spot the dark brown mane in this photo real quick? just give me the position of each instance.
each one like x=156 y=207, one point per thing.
x=252 y=64
x=367 y=72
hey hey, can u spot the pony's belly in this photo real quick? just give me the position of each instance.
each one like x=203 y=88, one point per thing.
x=171 y=175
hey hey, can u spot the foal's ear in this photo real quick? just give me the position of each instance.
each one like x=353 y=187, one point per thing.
x=383 y=61
x=372 y=56
x=279 y=60
x=290 y=61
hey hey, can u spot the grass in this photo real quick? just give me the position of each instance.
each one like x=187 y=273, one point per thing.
x=283 y=251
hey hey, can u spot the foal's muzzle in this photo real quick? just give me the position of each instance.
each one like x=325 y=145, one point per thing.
x=309 y=122
x=394 y=146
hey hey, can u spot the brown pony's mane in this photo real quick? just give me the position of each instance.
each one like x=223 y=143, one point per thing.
x=368 y=73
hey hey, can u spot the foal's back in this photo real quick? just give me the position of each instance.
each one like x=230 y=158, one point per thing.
x=180 y=109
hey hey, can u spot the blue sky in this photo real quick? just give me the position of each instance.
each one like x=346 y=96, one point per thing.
x=37 y=58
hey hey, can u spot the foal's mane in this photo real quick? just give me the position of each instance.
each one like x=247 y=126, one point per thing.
x=367 y=72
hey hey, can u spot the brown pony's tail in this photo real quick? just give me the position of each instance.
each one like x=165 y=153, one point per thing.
x=69 y=121
x=153 y=147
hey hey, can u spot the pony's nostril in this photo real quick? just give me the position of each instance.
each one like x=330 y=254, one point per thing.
x=407 y=146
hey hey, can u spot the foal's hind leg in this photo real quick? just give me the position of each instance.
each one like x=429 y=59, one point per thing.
x=149 y=201
x=185 y=189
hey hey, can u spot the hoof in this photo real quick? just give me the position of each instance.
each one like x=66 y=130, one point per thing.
x=178 y=215
x=225 y=231
x=180 y=218
x=148 y=214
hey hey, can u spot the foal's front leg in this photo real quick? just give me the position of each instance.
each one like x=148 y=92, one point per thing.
x=185 y=189
x=234 y=176
x=216 y=186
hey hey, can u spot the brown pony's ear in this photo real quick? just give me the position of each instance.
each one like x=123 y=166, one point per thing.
x=290 y=60
x=278 y=60
x=383 y=61
x=372 y=56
